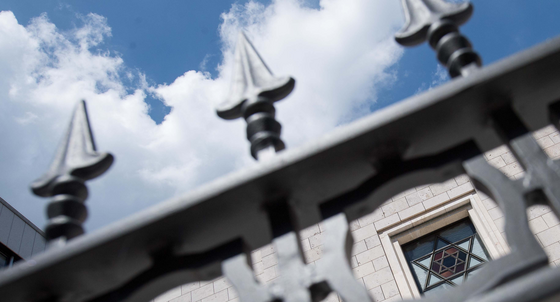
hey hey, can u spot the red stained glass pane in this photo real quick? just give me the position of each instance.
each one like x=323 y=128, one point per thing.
x=438 y=255
x=436 y=267
x=451 y=250
x=460 y=268
x=446 y=273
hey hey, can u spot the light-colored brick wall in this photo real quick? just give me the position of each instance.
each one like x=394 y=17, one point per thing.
x=368 y=259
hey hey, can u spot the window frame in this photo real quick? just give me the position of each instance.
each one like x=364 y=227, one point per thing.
x=434 y=264
x=469 y=206
x=10 y=255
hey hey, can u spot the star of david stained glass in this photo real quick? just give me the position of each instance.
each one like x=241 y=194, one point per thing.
x=446 y=257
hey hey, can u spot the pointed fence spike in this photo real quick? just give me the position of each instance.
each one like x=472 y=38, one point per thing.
x=253 y=91
x=421 y=14
x=76 y=160
x=438 y=21
x=251 y=79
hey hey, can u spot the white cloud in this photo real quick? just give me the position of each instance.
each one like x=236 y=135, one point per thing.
x=339 y=55
x=439 y=77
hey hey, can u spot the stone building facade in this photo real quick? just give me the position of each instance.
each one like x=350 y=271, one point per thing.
x=377 y=258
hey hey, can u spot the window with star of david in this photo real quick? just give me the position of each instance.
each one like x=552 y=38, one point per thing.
x=446 y=257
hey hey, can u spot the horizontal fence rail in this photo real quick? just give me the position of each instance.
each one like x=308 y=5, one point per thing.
x=427 y=138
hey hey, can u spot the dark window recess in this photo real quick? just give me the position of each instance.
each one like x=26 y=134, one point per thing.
x=7 y=257
x=446 y=257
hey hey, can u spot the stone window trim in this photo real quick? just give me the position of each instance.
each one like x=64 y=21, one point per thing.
x=468 y=206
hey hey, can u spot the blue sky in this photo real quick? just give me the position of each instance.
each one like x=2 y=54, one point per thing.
x=497 y=29
x=166 y=39
x=167 y=54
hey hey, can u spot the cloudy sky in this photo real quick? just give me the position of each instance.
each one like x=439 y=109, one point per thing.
x=152 y=72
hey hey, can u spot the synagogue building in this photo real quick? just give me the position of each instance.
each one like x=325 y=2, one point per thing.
x=419 y=242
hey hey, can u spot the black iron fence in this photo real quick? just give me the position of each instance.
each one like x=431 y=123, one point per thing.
x=425 y=139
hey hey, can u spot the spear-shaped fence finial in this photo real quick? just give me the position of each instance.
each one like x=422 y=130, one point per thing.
x=75 y=161
x=253 y=91
x=438 y=22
